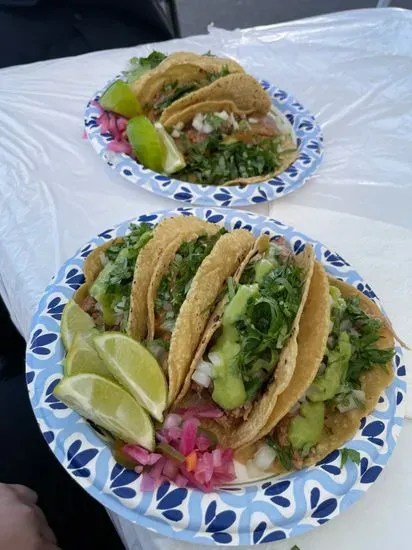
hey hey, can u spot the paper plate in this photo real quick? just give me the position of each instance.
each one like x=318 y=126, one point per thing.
x=252 y=513
x=308 y=137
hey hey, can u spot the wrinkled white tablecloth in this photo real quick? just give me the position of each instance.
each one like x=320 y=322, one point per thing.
x=353 y=70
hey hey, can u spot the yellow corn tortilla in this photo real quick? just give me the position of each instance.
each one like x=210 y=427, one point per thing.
x=340 y=427
x=239 y=432
x=164 y=262
x=181 y=67
x=222 y=262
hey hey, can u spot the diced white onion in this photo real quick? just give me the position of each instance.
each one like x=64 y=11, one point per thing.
x=167 y=306
x=179 y=126
x=197 y=122
x=233 y=121
x=345 y=324
x=201 y=378
x=223 y=115
x=354 y=332
x=175 y=133
x=359 y=395
x=253 y=120
x=206 y=128
x=206 y=367
x=351 y=401
x=331 y=341
x=215 y=358
x=322 y=368
x=264 y=457
x=330 y=326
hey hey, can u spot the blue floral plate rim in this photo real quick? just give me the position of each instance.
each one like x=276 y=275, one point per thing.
x=309 y=138
x=254 y=513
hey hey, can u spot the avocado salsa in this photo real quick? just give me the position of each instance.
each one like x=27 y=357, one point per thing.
x=351 y=350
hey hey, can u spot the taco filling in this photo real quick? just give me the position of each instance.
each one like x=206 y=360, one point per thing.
x=220 y=147
x=108 y=301
x=242 y=356
x=175 y=284
x=173 y=90
x=351 y=351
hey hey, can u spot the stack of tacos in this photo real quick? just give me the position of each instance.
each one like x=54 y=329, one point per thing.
x=285 y=358
x=215 y=124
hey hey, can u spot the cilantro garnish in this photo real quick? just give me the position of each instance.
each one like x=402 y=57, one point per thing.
x=212 y=161
x=349 y=454
x=124 y=256
x=283 y=454
x=224 y=71
x=140 y=65
x=176 y=93
x=266 y=324
x=175 y=284
x=364 y=334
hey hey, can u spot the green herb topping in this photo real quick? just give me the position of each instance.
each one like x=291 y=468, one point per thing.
x=175 y=284
x=349 y=454
x=140 y=65
x=283 y=454
x=213 y=160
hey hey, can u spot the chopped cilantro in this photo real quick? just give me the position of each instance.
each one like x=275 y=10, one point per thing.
x=175 y=284
x=294 y=547
x=160 y=342
x=124 y=256
x=224 y=71
x=364 y=334
x=266 y=324
x=176 y=93
x=212 y=161
x=283 y=454
x=349 y=454
x=231 y=289
x=140 y=65
x=214 y=120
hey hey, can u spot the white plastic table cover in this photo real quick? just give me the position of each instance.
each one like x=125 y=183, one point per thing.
x=353 y=70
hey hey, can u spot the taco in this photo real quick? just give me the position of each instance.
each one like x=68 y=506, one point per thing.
x=125 y=263
x=183 y=291
x=231 y=141
x=247 y=354
x=160 y=90
x=321 y=409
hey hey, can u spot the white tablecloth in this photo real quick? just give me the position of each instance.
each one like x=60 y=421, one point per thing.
x=353 y=70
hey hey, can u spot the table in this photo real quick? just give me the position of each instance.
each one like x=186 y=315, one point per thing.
x=353 y=70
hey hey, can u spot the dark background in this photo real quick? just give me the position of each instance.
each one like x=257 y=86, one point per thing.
x=195 y=15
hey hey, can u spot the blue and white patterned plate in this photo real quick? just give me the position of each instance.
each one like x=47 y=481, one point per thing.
x=309 y=140
x=255 y=513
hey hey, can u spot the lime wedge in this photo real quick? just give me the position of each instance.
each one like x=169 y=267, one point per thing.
x=120 y=99
x=146 y=143
x=108 y=405
x=82 y=357
x=74 y=320
x=136 y=369
x=173 y=160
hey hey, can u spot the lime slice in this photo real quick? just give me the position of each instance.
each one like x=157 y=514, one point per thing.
x=108 y=405
x=74 y=320
x=146 y=143
x=136 y=369
x=82 y=357
x=173 y=160
x=120 y=99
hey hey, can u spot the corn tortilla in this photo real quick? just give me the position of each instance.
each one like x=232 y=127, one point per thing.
x=222 y=262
